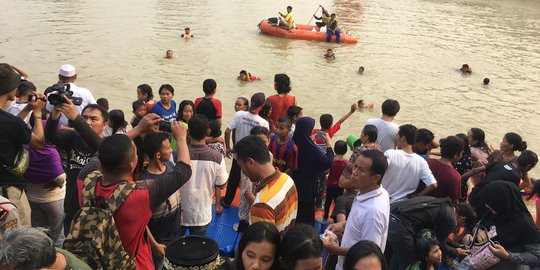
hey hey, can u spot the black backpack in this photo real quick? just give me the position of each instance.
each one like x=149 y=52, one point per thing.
x=412 y=210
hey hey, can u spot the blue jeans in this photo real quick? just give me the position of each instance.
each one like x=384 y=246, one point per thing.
x=194 y=230
x=329 y=35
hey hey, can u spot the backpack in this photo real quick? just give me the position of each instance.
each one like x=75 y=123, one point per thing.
x=413 y=210
x=93 y=235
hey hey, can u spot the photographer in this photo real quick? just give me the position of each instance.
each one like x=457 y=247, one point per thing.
x=68 y=75
x=13 y=134
x=79 y=145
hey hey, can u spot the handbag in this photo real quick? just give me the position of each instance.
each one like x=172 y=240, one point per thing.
x=20 y=165
x=481 y=256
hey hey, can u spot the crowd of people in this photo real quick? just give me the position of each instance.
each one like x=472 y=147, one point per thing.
x=81 y=190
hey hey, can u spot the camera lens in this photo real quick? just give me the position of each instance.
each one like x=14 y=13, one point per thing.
x=55 y=99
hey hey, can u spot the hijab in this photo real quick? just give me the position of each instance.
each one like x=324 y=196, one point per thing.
x=514 y=224
x=302 y=136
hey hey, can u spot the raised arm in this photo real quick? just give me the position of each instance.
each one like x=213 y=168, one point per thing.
x=354 y=107
x=38 y=135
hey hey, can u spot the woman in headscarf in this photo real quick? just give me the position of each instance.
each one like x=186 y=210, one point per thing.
x=511 y=225
x=311 y=162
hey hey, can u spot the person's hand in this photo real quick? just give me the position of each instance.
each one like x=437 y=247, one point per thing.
x=38 y=103
x=329 y=245
x=68 y=108
x=178 y=130
x=462 y=252
x=327 y=139
x=354 y=107
x=481 y=236
x=499 y=251
x=159 y=250
x=337 y=228
x=228 y=153
x=148 y=121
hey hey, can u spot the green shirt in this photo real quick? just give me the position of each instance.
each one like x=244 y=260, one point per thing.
x=73 y=262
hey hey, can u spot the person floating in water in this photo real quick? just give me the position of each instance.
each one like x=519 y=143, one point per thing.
x=329 y=54
x=169 y=54
x=363 y=105
x=361 y=70
x=187 y=33
x=466 y=69
x=325 y=17
x=287 y=20
x=333 y=29
x=246 y=76
x=486 y=81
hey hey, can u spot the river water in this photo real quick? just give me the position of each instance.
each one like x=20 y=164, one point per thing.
x=411 y=50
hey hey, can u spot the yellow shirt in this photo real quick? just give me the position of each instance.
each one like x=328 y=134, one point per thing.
x=289 y=19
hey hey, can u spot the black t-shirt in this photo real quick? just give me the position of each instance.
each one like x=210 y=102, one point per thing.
x=79 y=145
x=343 y=205
x=13 y=134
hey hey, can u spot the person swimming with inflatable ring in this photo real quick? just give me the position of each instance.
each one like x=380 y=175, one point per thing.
x=246 y=76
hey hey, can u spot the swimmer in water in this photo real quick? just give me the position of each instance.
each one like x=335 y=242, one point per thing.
x=329 y=54
x=187 y=33
x=466 y=69
x=361 y=70
x=246 y=76
x=363 y=105
x=486 y=81
x=169 y=54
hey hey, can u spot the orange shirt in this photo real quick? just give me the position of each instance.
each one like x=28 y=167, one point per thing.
x=280 y=105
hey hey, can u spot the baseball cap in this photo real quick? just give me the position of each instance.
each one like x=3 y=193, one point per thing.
x=67 y=70
x=257 y=102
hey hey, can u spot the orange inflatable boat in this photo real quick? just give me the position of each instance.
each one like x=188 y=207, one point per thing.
x=302 y=31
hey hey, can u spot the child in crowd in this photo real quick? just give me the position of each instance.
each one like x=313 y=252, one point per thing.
x=326 y=121
x=103 y=102
x=368 y=139
x=139 y=111
x=333 y=191
x=187 y=33
x=245 y=76
x=169 y=54
x=294 y=112
x=164 y=224
x=363 y=105
x=185 y=111
x=25 y=92
x=144 y=93
x=265 y=114
x=329 y=54
x=429 y=255
x=425 y=141
x=283 y=148
x=343 y=204
x=361 y=70
x=247 y=189
x=117 y=122
x=214 y=139
x=166 y=107
x=208 y=105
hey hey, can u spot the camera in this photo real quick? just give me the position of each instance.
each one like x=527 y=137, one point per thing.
x=164 y=126
x=59 y=91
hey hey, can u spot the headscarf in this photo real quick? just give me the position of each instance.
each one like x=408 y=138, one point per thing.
x=513 y=222
x=302 y=135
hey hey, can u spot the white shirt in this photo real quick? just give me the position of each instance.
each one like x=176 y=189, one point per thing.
x=17 y=107
x=243 y=121
x=368 y=220
x=386 y=133
x=207 y=171
x=85 y=94
x=404 y=174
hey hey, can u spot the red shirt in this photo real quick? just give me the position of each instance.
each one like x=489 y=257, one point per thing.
x=335 y=172
x=209 y=107
x=331 y=132
x=448 y=180
x=280 y=105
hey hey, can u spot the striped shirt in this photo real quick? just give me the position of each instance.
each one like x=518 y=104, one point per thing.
x=276 y=202
x=285 y=155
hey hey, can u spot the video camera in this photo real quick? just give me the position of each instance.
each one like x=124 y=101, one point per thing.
x=59 y=91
